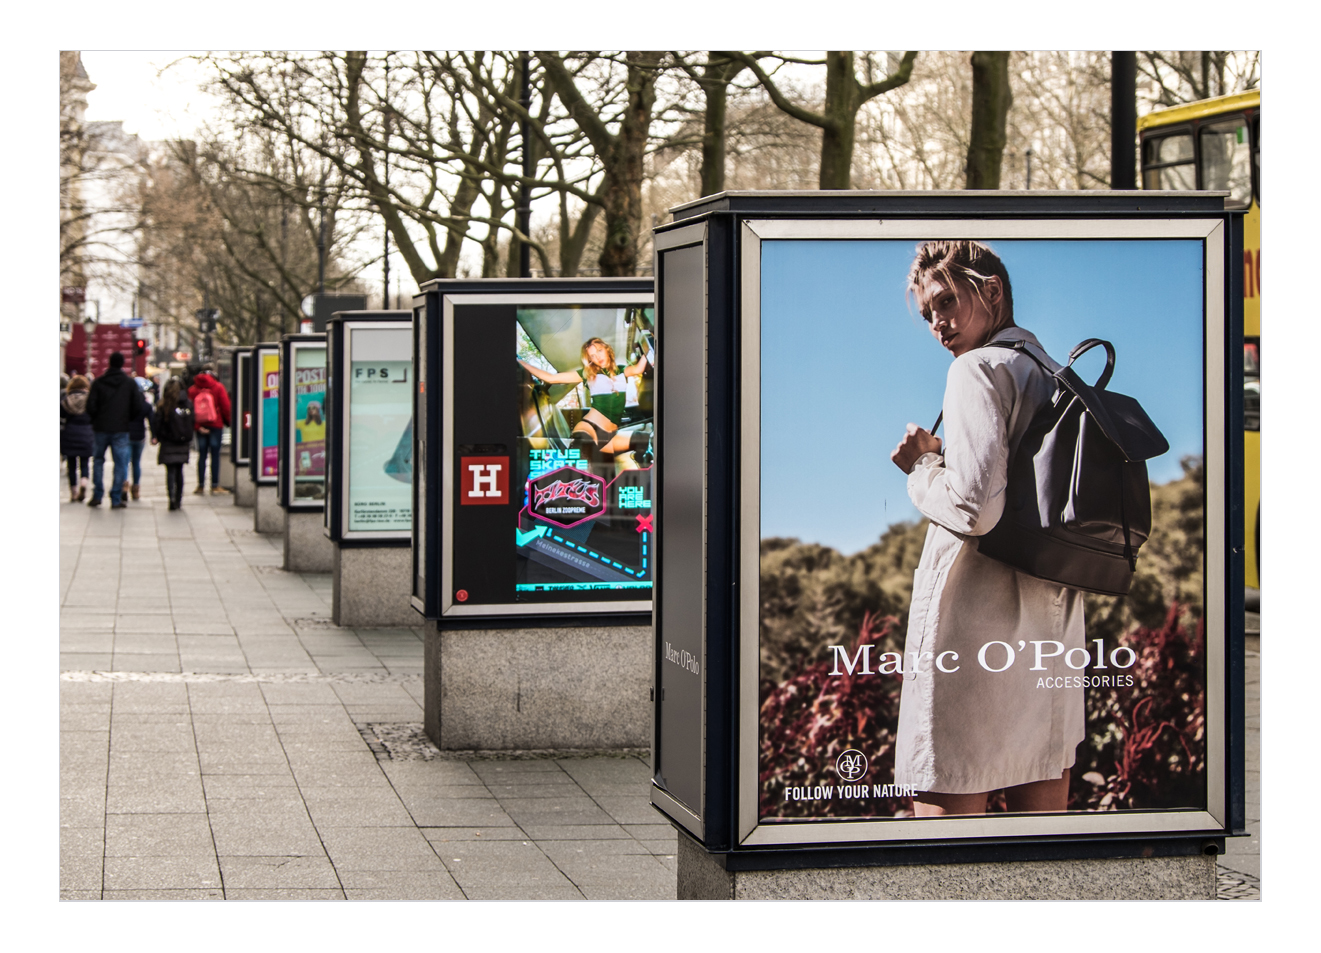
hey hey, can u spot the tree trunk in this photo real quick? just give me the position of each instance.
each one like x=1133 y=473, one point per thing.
x=991 y=97
x=841 y=115
x=715 y=81
x=624 y=166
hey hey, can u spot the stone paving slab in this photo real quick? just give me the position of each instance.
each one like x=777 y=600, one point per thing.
x=219 y=740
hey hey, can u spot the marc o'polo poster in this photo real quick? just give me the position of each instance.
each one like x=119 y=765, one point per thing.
x=903 y=673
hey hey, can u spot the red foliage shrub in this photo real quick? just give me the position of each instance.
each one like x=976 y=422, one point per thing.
x=1145 y=747
x=810 y=719
x=1146 y=744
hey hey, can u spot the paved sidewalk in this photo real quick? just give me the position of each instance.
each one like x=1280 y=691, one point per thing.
x=221 y=738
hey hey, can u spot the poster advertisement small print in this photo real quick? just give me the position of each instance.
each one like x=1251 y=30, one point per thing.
x=584 y=454
x=904 y=673
x=309 y=449
x=380 y=484
x=270 y=414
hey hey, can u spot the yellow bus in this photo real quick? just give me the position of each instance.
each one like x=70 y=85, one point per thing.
x=1216 y=144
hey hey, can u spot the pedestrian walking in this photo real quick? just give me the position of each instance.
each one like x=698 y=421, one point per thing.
x=172 y=428
x=76 y=438
x=211 y=417
x=112 y=402
x=137 y=440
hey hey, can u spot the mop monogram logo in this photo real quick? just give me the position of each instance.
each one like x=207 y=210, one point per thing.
x=586 y=491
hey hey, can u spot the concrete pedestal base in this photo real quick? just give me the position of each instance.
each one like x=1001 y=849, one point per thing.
x=307 y=548
x=245 y=491
x=267 y=517
x=501 y=689
x=226 y=468
x=701 y=877
x=372 y=585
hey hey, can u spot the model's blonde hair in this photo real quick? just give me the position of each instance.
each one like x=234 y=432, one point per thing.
x=965 y=264
x=590 y=369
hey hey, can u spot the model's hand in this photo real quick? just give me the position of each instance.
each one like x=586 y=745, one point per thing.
x=154 y=441
x=915 y=443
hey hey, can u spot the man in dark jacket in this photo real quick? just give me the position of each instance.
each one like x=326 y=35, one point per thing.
x=113 y=403
x=209 y=438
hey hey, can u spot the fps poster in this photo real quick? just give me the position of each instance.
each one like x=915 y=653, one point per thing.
x=380 y=427
x=903 y=673
x=309 y=450
x=583 y=456
x=270 y=414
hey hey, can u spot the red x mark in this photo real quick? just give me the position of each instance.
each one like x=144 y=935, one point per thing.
x=644 y=523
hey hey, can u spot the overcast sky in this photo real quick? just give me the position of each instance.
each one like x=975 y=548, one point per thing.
x=131 y=87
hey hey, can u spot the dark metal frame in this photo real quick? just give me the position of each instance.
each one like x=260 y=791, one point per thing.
x=241 y=360
x=429 y=477
x=731 y=223
x=339 y=361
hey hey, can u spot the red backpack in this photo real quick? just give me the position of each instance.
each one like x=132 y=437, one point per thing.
x=205 y=412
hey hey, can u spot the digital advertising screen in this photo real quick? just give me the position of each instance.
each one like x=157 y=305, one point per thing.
x=552 y=456
x=268 y=412
x=379 y=430
x=993 y=598
x=308 y=423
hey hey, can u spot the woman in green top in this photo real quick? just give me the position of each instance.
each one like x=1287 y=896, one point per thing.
x=607 y=390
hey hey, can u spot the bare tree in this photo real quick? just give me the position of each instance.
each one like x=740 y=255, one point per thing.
x=1181 y=76
x=621 y=152
x=845 y=96
x=991 y=97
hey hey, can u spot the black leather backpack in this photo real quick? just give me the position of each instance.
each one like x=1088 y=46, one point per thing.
x=1078 y=501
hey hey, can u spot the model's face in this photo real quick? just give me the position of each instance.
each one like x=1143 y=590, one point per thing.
x=597 y=354
x=959 y=318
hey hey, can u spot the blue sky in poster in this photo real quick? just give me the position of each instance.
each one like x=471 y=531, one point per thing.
x=847 y=362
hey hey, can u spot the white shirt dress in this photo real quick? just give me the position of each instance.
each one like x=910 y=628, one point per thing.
x=964 y=728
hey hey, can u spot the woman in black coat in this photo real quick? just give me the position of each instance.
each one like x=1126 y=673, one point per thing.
x=172 y=428
x=76 y=441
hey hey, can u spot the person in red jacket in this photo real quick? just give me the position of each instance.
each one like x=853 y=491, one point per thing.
x=210 y=417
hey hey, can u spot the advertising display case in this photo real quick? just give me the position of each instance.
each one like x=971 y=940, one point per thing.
x=533 y=449
x=369 y=483
x=302 y=422
x=1016 y=633
x=264 y=401
x=241 y=407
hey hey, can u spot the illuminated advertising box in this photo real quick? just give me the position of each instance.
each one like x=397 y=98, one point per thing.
x=944 y=552
x=540 y=503
x=370 y=434
x=264 y=401
x=303 y=416
x=241 y=406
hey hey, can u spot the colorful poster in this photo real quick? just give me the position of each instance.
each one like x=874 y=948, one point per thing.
x=380 y=430
x=270 y=414
x=910 y=666
x=309 y=427
x=584 y=456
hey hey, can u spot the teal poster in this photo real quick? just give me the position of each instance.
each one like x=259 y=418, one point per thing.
x=380 y=430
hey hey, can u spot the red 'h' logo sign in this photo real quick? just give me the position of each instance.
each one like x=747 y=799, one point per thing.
x=483 y=481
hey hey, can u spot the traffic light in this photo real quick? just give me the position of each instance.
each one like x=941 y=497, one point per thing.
x=140 y=347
